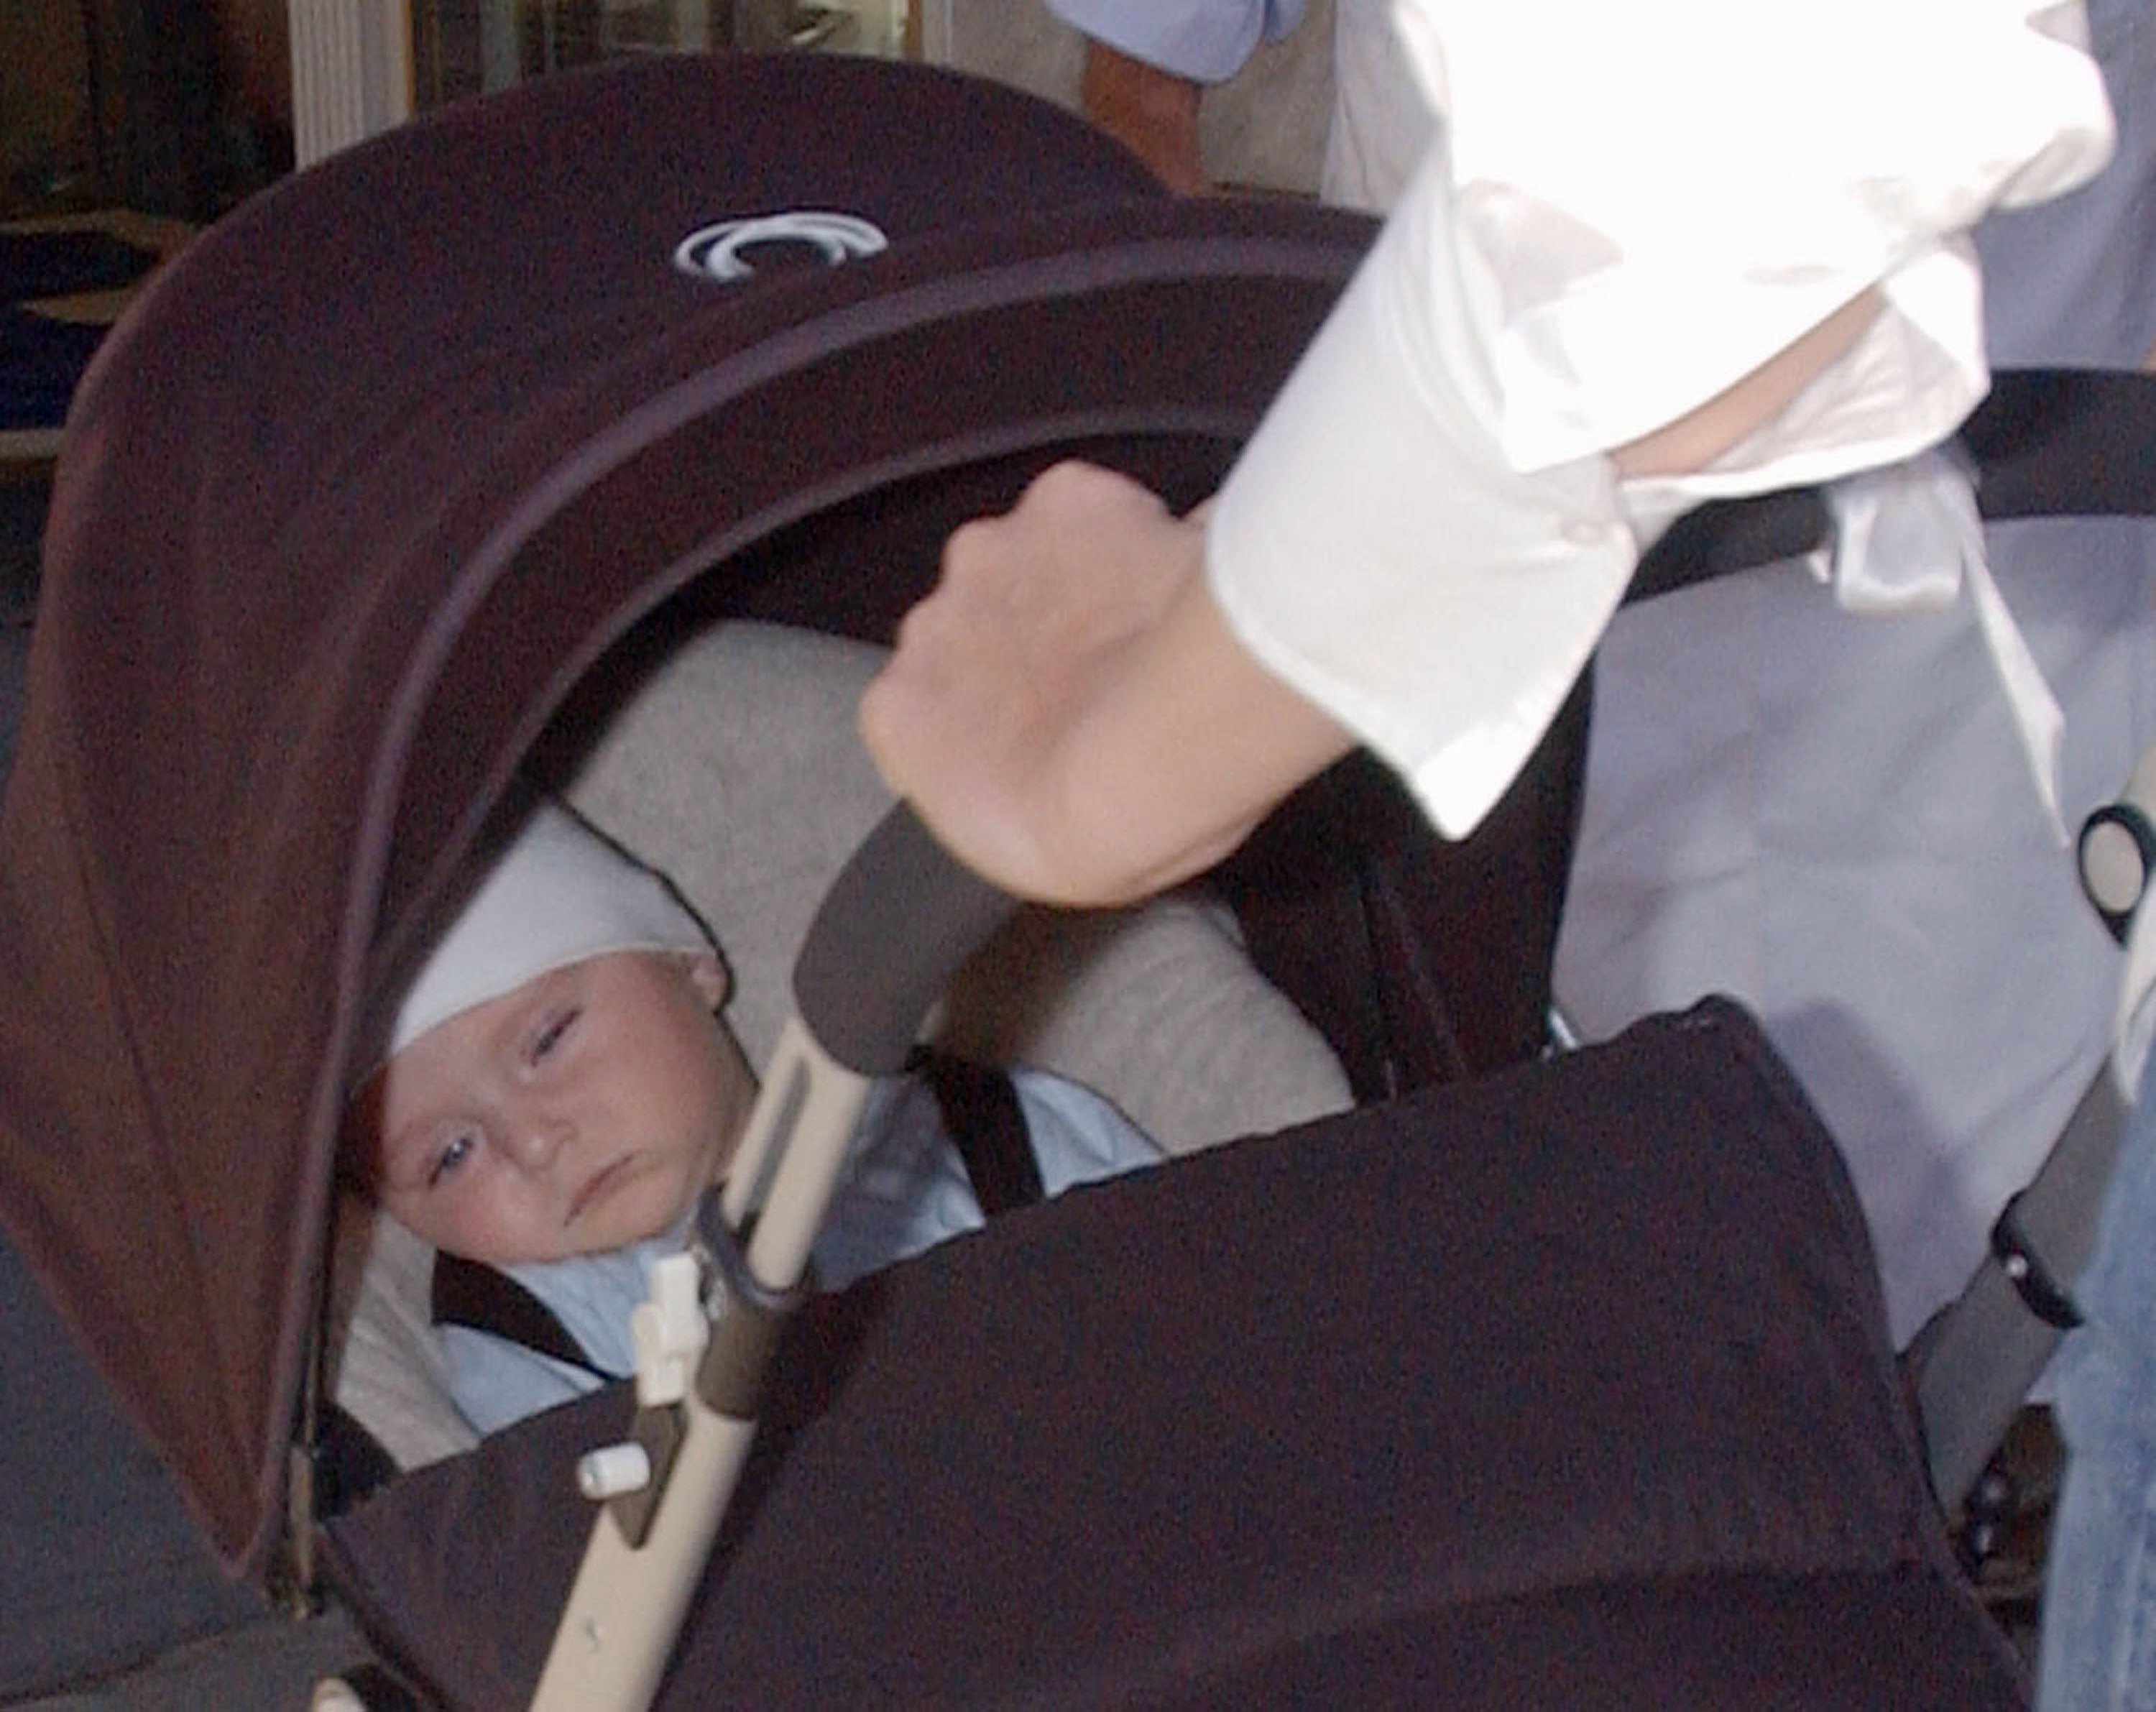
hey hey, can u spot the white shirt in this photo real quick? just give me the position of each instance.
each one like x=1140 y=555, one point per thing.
x=1425 y=536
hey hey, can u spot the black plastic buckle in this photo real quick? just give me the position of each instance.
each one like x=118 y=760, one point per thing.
x=2039 y=1290
x=658 y=1430
x=2130 y=821
x=746 y=1317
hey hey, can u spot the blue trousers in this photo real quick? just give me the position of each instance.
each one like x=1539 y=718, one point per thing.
x=2098 y=1652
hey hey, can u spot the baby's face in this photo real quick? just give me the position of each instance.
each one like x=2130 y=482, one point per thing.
x=583 y=1111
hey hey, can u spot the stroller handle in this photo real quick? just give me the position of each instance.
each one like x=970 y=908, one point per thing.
x=891 y=932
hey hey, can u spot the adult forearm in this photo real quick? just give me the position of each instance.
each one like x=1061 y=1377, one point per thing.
x=1700 y=437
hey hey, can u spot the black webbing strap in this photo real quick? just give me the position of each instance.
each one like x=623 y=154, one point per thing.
x=481 y=1299
x=2064 y=443
x=2044 y=442
x=987 y=1125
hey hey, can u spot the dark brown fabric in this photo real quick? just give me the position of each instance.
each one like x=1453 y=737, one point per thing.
x=1569 y=1386
x=366 y=481
x=1438 y=954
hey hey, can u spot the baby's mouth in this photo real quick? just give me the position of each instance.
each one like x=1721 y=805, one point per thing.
x=597 y=1187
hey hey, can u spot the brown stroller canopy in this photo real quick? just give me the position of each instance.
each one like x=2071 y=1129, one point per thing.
x=378 y=468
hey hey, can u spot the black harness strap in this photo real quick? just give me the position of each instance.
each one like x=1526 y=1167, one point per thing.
x=985 y=1123
x=477 y=1297
x=2046 y=442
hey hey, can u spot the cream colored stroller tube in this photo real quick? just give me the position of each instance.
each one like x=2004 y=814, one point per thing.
x=898 y=921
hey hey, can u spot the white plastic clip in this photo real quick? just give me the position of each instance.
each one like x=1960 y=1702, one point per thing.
x=669 y=1331
x=612 y=1470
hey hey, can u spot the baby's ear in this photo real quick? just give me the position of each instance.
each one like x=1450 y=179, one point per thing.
x=708 y=975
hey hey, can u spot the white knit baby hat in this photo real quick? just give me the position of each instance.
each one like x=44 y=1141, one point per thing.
x=559 y=893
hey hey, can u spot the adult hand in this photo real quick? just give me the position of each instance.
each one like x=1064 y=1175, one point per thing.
x=1068 y=711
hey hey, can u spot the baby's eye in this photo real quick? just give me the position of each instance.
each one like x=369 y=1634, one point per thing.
x=552 y=1035
x=448 y=1160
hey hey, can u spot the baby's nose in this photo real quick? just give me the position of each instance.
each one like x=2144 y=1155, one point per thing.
x=538 y=1138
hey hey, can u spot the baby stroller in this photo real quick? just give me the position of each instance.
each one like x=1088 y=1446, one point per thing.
x=1449 y=1399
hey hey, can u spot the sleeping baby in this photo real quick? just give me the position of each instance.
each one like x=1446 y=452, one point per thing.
x=558 y=1088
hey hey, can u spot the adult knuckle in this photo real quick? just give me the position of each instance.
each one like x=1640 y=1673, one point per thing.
x=1063 y=483
x=971 y=552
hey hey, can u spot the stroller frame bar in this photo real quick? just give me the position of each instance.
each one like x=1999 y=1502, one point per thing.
x=896 y=924
x=635 y=1584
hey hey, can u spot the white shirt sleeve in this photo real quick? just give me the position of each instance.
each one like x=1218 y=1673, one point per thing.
x=1425 y=537
x=1206 y=41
